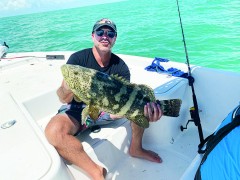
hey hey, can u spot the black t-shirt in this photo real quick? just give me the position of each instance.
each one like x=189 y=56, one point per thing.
x=86 y=59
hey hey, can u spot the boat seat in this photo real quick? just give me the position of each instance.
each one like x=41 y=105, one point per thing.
x=171 y=89
x=49 y=104
x=23 y=145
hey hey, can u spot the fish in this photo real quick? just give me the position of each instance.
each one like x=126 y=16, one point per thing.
x=113 y=94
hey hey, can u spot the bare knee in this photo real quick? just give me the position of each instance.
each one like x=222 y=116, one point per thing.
x=58 y=127
x=53 y=130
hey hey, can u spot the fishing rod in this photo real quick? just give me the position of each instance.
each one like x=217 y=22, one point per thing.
x=194 y=110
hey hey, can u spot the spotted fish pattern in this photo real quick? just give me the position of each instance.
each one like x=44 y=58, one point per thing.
x=113 y=94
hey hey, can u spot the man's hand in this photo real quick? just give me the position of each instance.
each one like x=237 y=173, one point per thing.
x=152 y=111
x=64 y=93
x=65 y=88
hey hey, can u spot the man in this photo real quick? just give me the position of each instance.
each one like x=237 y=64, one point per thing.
x=61 y=129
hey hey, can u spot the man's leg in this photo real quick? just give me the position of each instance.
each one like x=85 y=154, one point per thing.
x=59 y=132
x=136 y=149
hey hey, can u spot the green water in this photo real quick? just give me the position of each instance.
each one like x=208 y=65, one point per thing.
x=147 y=28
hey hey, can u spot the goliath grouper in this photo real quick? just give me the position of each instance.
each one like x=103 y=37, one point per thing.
x=113 y=94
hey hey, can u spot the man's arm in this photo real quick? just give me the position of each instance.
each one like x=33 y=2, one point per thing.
x=115 y=117
x=64 y=93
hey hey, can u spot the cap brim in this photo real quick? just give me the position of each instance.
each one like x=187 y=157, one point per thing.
x=105 y=24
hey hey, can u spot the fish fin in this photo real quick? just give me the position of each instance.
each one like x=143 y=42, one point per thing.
x=145 y=87
x=119 y=78
x=76 y=98
x=141 y=121
x=93 y=112
x=148 y=91
x=170 y=107
x=85 y=113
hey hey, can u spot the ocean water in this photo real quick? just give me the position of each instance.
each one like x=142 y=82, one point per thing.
x=148 y=28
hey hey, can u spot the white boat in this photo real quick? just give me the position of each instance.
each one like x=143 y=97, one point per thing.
x=28 y=100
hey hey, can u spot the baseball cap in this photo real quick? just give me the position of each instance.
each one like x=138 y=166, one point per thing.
x=104 y=22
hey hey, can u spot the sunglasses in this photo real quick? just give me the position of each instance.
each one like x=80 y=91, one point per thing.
x=110 y=34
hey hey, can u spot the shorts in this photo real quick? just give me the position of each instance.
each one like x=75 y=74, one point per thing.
x=75 y=111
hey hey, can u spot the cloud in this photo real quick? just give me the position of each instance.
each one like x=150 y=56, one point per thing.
x=17 y=7
x=25 y=4
x=14 y=4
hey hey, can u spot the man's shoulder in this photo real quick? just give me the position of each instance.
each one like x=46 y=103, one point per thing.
x=83 y=51
x=116 y=59
x=80 y=57
x=120 y=67
x=114 y=56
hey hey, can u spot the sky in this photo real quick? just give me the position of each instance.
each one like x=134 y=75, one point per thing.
x=18 y=7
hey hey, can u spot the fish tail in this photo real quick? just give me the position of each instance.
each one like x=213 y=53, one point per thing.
x=170 y=107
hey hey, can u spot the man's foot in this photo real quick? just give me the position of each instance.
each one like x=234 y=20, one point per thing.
x=99 y=173
x=145 y=154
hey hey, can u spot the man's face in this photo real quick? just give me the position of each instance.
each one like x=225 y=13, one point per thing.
x=104 y=38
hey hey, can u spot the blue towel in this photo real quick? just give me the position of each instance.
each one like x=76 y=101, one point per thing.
x=156 y=67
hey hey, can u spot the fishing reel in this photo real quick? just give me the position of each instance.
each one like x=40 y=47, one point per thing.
x=193 y=117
